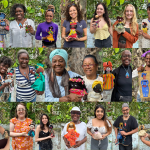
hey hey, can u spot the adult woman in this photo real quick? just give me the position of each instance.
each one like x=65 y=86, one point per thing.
x=5 y=63
x=57 y=78
x=74 y=15
x=90 y=67
x=130 y=34
x=100 y=25
x=80 y=128
x=49 y=29
x=103 y=125
x=4 y=143
x=25 y=79
x=42 y=135
x=21 y=29
x=19 y=128
x=146 y=55
x=123 y=79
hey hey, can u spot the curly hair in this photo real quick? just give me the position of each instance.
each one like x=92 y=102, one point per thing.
x=13 y=9
x=105 y=15
x=134 y=19
x=79 y=12
x=6 y=61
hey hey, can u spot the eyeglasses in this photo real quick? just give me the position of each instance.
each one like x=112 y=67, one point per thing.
x=75 y=112
x=125 y=110
x=51 y=10
x=125 y=56
x=90 y=65
x=21 y=109
x=71 y=5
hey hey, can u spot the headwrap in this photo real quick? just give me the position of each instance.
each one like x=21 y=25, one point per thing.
x=60 y=52
x=107 y=64
x=97 y=82
x=143 y=55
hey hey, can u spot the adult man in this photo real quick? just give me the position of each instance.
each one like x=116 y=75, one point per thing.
x=80 y=128
x=125 y=125
x=145 y=39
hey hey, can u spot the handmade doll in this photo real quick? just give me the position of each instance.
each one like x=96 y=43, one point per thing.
x=97 y=135
x=32 y=130
x=108 y=77
x=119 y=27
x=77 y=86
x=142 y=131
x=51 y=130
x=72 y=134
x=96 y=20
x=50 y=36
x=95 y=95
x=144 y=27
x=39 y=83
x=144 y=83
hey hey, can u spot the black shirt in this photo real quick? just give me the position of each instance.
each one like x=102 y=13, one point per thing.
x=124 y=85
x=131 y=124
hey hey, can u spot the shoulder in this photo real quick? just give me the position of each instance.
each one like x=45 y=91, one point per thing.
x=65 y=21
x=12 y=23
x=72 y=74
x=41 y=24
x=30 y=20
x=83 y=123
x=82 y=22
x=54 y=24
x=13 y=120
x=133 y=118
x=29 y=120
x=116 y=70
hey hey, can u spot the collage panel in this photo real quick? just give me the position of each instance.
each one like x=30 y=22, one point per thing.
x=4 y=125
x=141 y=74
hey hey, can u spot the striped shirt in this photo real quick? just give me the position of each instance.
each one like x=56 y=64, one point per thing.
x=24 y=91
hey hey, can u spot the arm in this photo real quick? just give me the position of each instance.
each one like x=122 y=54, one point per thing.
x=10 y=36
x=129 y=133
x=7 y=147
x=110 y=28
x=145 y=35
x=56 y=33
x=4 y=85
x=31 y=27
x=85 y=36
x=79 y=143
x=37 y=139
x=2 y=130
x=63 y=35
x=38 y=31
x=144 y=141
x=92 y=27
x=66 y=142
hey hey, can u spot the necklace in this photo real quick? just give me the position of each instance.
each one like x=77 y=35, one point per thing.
x=125 y=121
x=127 y=74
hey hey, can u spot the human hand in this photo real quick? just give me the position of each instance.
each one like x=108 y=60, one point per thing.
x=50 y=137
x=24 y=134
x=116 y=142
x=78 y=143
x=65 y=99
x=39 y=92
x=68 y=144
x=123 y=133
x=140 y=69
x=6 y=84
x=146 y=36
x=140 y=32
x=103 y=137
x=74 y=97
x=7 y=22
x=30 y=29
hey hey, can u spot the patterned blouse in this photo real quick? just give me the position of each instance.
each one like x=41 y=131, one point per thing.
x=22 y=142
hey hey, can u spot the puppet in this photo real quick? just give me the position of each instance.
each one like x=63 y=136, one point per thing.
x=95 y=95
x=72 y=134
x=119 y=27
x=32 y=130
x=77 y=86
x=39 y=83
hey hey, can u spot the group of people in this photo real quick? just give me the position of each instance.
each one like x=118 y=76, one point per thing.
x=74 y=30
x=125 y=125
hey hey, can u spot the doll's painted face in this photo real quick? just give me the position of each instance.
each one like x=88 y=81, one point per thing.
x=108 y=70
x=100 y=10
x=19 y=13
x=97 y=88
x=129 y=12
x=75 y=85
x=49 y=16
x=147 y=60
x=73 y=12
x=44 y=119
x=3 y=68
x=32 y=126
x=99 y=113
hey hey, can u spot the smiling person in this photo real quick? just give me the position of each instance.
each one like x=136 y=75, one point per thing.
x=42 y=134
x=130 y=34
x=48 y=29
x=57 y=79
x=19 y=128
x=5 y=63
x=21 y=29
x=80 y=128
x=128 y=126
x=90 y=67
x=79 y=28
x=100 y=25
x=4 y=143
x=103 y=125
x=123 y=79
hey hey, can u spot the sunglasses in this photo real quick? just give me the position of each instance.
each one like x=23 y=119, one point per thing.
x=76 y=112
x=51 y=10
x=71 y=5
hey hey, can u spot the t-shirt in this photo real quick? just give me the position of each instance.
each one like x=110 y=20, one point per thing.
x=131 y=124
x=82 y=130
x=80 y=26
x=124 y=85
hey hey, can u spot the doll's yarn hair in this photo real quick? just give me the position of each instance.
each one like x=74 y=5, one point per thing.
x=50 y=8
x=72 y=124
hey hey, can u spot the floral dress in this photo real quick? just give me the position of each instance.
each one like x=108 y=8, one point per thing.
x=22 y=142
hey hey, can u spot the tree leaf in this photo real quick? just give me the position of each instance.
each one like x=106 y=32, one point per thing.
x=116 y=50
x=28 y=105
x=40 y=50
x=49 y=108
x=108 y=2
x=121 y=2
x=5 y=3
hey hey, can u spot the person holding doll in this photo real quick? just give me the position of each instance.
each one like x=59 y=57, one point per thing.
x=43 y=134
x=48 y=29
x=21 y=29
x=99 y=128
x=74 y=30
x=100 y=25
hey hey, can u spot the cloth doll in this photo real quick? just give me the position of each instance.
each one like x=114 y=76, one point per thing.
x=96 y=20
x=95 y=95
x=144 y=83
x=119 y=27
x=32 y=130
x=144 y=27
x=51 y=130
x=97 y=135
x=72 y=134
x=108 y=77
x=50 y=36
x=39 y=83
x=77 y=86
x=142 y=131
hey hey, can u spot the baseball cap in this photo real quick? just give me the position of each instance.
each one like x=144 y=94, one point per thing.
x=75 y=109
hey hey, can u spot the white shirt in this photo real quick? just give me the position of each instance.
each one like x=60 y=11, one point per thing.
x=82 y=130
x=19 y=37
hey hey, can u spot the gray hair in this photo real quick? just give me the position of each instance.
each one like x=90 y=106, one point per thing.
x=22 y=51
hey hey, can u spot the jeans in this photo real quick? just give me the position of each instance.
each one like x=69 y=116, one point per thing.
x=122 y=147
x=18 y=100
